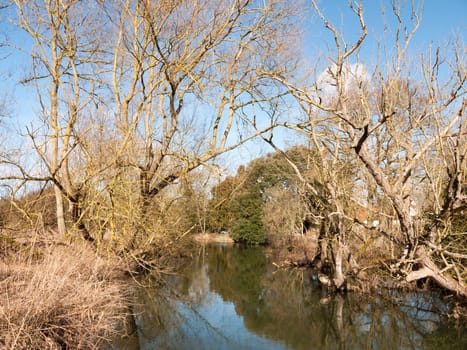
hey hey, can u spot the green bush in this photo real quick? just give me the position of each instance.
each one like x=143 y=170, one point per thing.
x=248 y=227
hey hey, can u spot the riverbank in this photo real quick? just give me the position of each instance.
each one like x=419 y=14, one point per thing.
x=372 y=276
x=213 y=238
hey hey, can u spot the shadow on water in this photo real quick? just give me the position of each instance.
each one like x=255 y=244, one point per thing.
x=233 y=298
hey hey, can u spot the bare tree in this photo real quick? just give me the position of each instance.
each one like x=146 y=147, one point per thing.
x=136 y=94
x=63 y=55
x=392 y=127
x=187 y=80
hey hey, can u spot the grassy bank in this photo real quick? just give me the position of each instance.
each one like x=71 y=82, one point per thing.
x=60 y=297
x=212 y=238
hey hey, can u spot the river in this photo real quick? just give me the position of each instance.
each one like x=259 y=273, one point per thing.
x=234 y=298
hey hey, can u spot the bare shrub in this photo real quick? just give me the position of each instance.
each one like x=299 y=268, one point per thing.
x=296 y=251
x=68 y=299
x=283 y=217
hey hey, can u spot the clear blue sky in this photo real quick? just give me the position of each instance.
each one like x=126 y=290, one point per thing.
x=441 y=21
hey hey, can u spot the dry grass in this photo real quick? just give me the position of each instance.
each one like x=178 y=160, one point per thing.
x=68 y=299
x=212 y=237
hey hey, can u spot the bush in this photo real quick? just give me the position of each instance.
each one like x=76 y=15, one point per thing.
x=284 y=216
x=248 y=227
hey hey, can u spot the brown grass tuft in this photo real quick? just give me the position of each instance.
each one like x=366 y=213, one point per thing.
x=68 y=299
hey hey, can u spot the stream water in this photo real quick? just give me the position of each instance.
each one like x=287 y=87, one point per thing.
x=234 y=298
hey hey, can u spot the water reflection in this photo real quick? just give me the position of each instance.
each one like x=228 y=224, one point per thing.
x=232 y=298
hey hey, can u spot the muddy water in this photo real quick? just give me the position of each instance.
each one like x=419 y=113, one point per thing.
x=234 y=298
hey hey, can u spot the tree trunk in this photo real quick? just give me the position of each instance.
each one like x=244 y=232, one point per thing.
x=60 y=212
x=339 y=278
x=430 y=270
x=77 y=221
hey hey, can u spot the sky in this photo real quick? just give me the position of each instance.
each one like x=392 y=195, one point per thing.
x=442 y=20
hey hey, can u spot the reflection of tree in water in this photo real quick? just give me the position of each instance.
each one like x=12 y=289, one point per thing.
x=156 y=313
x=276 y=304
x=235 y=274
x=285 y=306
x=288 y=307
